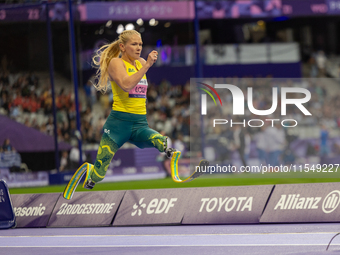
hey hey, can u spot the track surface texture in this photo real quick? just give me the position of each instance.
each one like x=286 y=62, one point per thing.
x=169 y=240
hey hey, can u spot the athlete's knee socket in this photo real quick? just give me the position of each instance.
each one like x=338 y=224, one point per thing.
x=159 y=143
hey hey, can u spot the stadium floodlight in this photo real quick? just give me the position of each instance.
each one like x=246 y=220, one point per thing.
x=109 y=23
x=140 y=22
x=129 y=26
x=120 y=29
x=153 y=22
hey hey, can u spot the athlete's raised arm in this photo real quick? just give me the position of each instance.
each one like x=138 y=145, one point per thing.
x=117 y=71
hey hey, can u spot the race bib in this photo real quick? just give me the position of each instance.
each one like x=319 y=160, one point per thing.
x=140 y=90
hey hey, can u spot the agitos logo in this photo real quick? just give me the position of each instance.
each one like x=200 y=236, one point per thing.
x=239 y=103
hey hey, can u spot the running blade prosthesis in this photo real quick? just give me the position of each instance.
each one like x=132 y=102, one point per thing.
x=73 y=183
x=174 y=168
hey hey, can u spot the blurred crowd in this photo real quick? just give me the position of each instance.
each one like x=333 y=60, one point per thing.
x=79 y=1
x=26 y=99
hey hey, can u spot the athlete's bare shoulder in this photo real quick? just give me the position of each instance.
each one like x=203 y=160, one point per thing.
x=117 y=61
x=116 y=68
x=142 y=61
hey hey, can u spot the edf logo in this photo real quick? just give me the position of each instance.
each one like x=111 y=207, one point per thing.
x=156 y=206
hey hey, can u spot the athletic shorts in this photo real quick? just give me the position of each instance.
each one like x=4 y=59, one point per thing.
x=124 y=127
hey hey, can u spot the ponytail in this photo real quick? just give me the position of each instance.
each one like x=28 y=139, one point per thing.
x=103 y=57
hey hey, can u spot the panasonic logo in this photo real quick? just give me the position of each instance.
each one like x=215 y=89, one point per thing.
x=228 y=203
x=29 y=211
x=71 y=209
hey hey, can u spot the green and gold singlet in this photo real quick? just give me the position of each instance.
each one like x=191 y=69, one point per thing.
x=134 y=100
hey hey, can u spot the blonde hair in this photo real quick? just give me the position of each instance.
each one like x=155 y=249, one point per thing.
x=104 y=55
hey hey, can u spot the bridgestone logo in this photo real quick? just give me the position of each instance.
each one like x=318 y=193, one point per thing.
x=71 y=209
x=29 y=211
x=296 y=202
x=228 y=203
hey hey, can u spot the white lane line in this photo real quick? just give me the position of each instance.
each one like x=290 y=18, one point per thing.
x=251 y=234
x=159 y=245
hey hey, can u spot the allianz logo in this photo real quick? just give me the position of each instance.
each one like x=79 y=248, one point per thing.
x=71 y=209
x=155 y=206
x=227 y=204
x=29 y=211
x=297 y=202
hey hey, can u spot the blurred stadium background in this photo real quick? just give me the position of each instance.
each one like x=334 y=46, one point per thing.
x=237 y=39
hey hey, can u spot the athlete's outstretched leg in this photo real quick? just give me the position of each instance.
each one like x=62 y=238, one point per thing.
x=116 y=133
x=107 y=149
